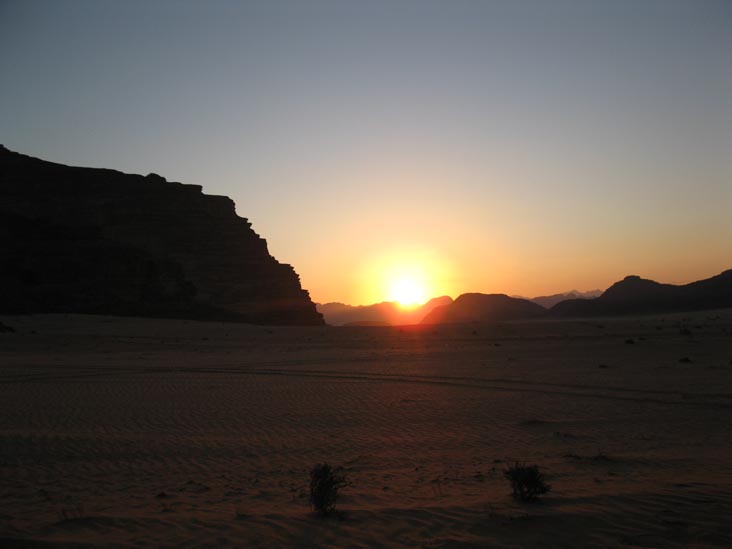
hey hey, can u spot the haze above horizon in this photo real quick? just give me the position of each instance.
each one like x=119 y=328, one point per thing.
x=409 y=149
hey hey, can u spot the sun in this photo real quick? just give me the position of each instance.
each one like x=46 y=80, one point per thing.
x=409 y=276
x=408 y=292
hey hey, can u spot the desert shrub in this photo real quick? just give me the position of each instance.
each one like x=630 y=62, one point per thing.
x=527 y=481
x=325 y=481
x=5 y=328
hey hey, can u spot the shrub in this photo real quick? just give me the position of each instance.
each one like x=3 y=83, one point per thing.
x=526 y=481
x=325 y=481
x=6 y=328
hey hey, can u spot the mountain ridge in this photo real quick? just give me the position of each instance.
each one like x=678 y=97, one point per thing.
x=385 y=313
x=636 y=295
x=477 y=307
x=629 y=296
x=548 y=301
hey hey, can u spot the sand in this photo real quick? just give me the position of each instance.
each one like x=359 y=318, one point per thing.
x=120 y=431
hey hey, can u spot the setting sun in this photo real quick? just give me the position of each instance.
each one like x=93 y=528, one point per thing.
x=408 y=292
x=404 y=273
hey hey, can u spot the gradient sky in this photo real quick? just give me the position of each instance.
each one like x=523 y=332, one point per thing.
x=516 y=147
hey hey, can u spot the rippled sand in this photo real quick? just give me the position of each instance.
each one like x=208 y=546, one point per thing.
x=169 y=432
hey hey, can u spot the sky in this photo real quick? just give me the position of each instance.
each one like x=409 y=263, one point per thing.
x=515 y=147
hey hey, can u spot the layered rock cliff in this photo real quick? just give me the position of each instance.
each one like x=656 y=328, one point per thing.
x=100 y=241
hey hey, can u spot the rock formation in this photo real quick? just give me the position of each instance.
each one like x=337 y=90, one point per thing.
x=99 y=241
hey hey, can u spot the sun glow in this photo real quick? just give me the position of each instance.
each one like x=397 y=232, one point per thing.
x=406 y=274
x=408 y=292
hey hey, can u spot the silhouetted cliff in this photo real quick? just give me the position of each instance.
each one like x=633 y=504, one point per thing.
x=484 y=308
x=635 y=295
x=99 y=241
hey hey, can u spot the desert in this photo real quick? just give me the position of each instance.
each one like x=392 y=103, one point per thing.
x=129 y=431
x=341 y=274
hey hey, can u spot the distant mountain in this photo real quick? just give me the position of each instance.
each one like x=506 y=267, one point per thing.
x=484 y=308
x=635 y=295
x=548 y=301
x=379 y=314
x=632 y=295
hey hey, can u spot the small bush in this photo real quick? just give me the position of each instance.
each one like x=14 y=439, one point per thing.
x=325 y=481
x=526 y=481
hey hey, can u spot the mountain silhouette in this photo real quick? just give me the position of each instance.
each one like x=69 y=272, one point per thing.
x=387 y=313
x=475 y=307
x=89 y=240
x=632 y=295
x=548 y=301
x=635 y=295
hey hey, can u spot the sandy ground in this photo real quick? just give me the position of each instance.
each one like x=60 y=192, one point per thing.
x=171 y=432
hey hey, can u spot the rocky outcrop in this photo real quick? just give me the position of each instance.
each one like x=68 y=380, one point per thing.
x=99 y=241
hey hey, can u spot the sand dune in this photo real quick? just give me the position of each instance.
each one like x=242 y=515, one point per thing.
x=170 y=432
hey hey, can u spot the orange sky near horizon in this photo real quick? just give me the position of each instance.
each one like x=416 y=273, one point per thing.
x=522 y=147
x=373 y=283
x=523 y=238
